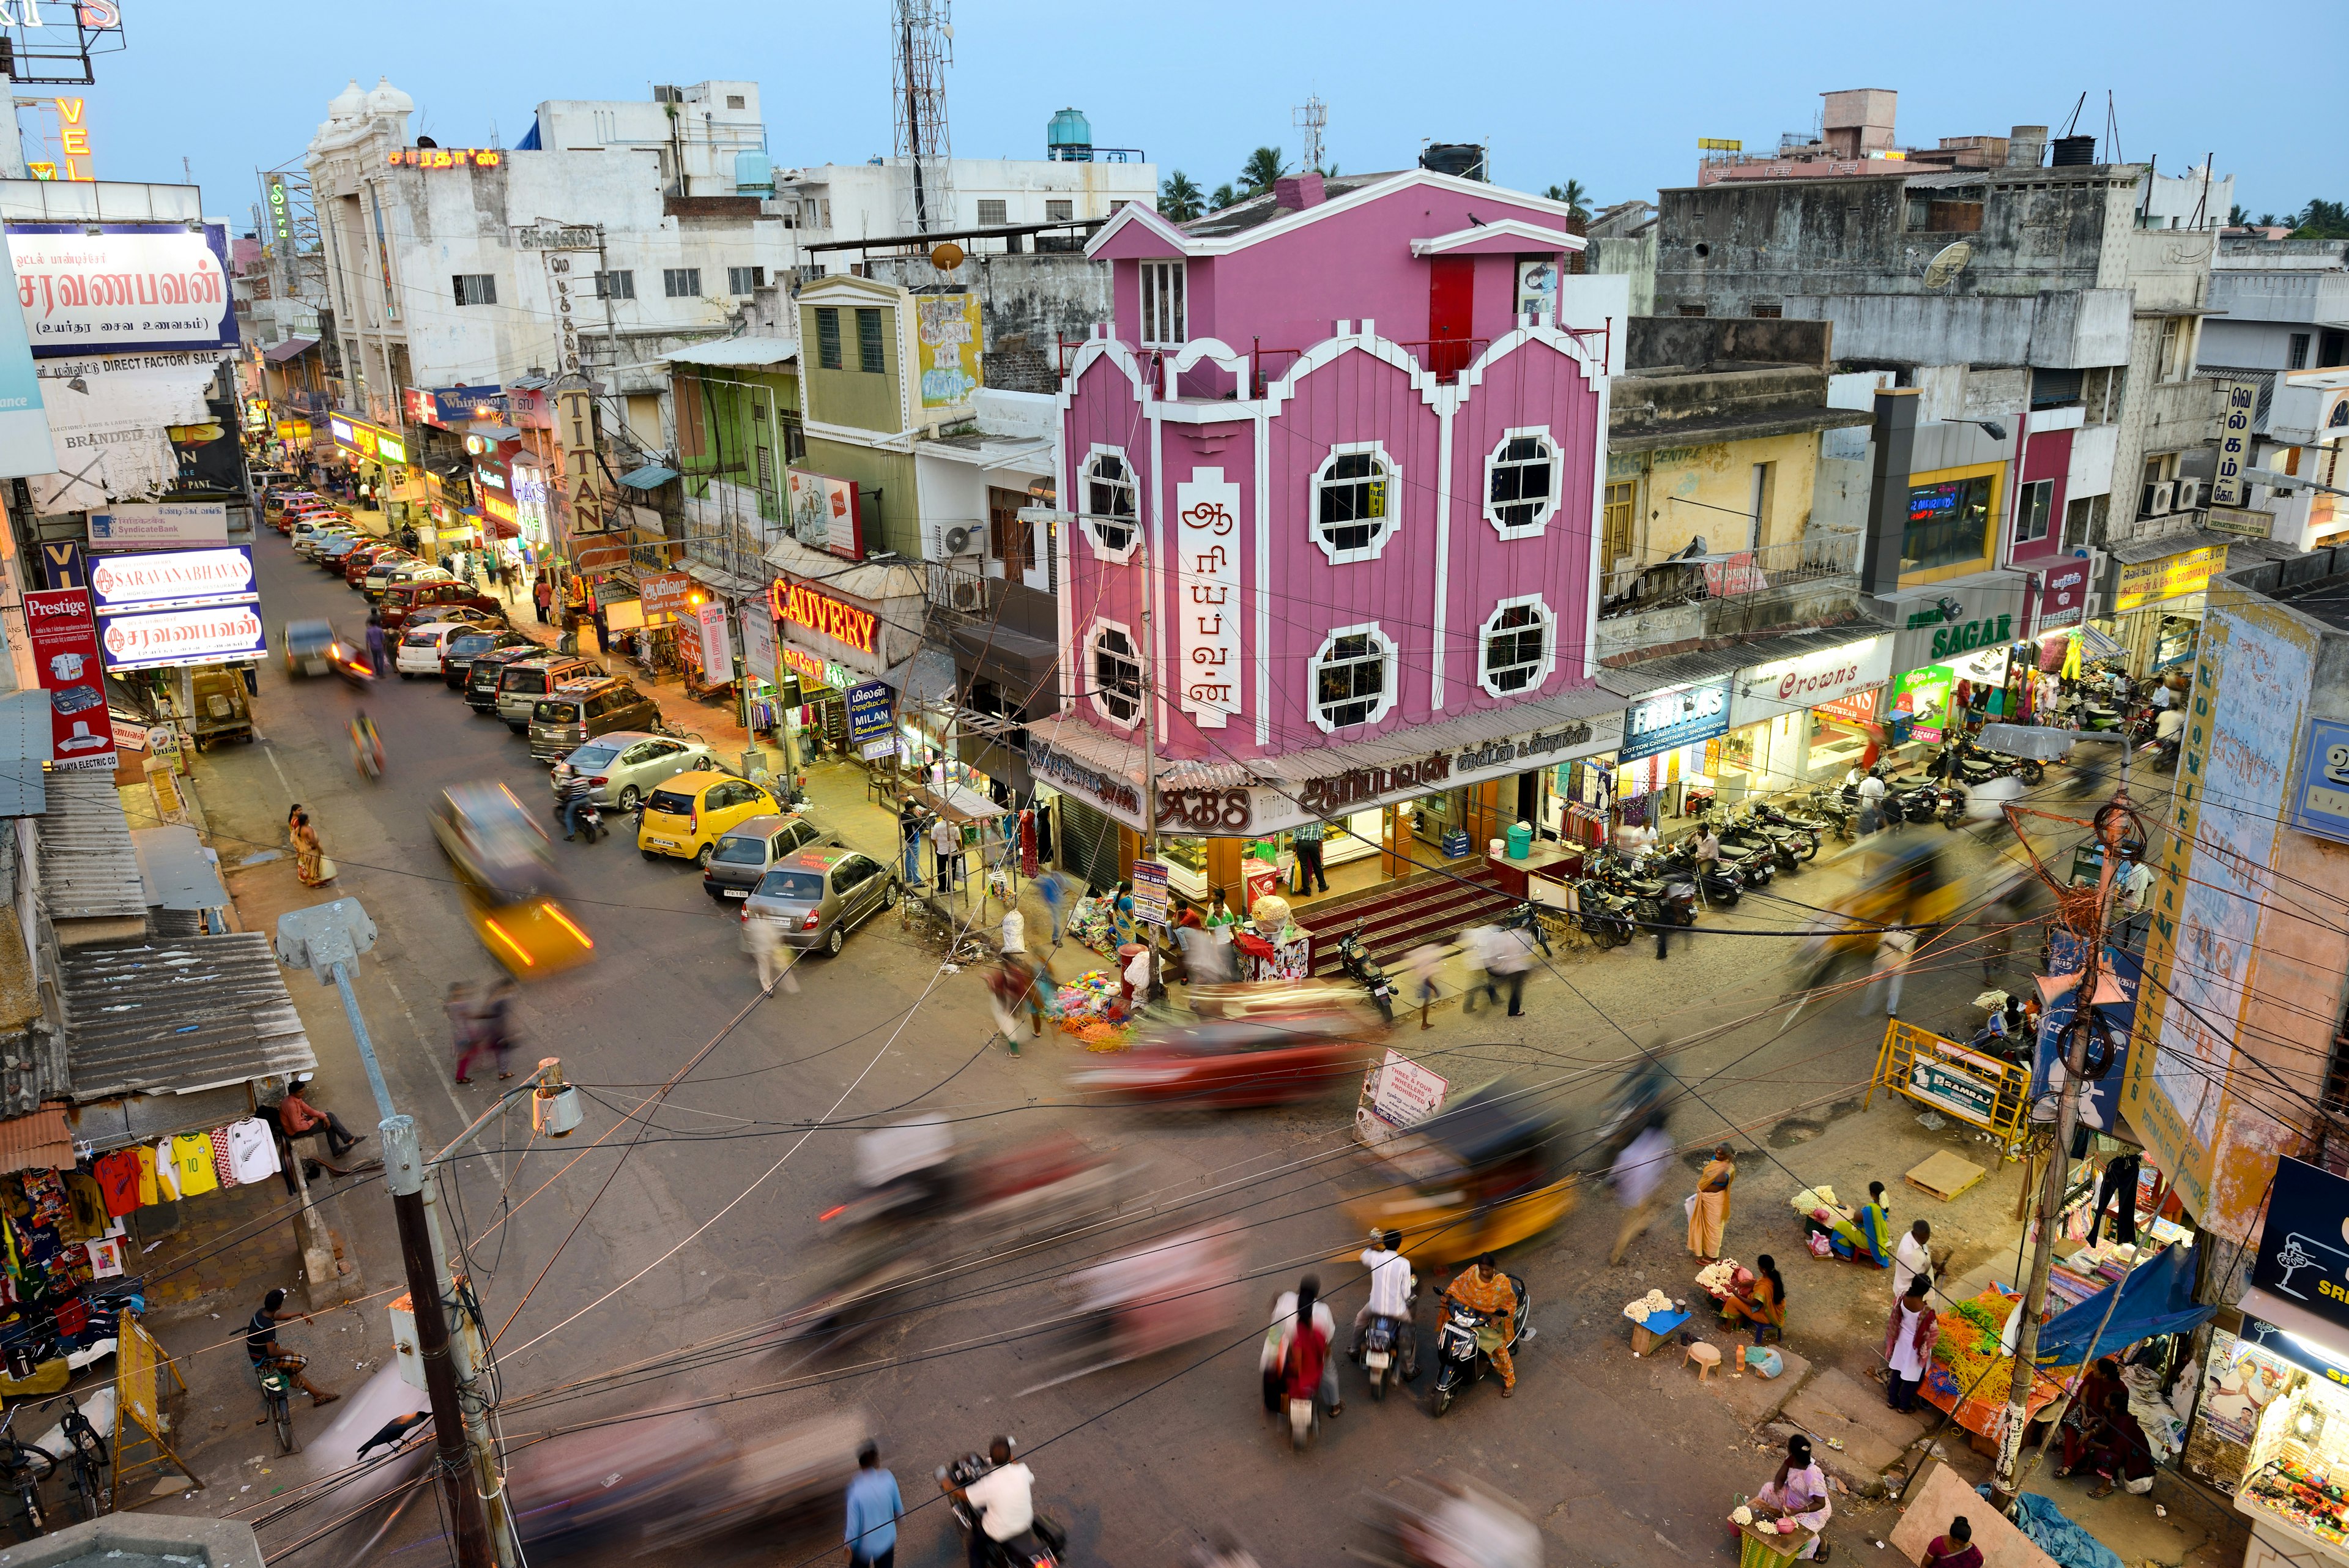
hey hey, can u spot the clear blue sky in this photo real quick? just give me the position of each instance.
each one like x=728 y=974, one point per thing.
x=1615 y=97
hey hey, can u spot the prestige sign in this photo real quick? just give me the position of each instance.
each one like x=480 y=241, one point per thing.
x=843 y=622
x=61 y=631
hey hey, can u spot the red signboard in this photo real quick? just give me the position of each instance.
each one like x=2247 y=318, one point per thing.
x=2063 y=596
x=64 y=638
x=1859 y=707
x=664 y=593
x=820 y=612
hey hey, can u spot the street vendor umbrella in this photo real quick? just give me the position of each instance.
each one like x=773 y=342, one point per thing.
x=2156 y=1298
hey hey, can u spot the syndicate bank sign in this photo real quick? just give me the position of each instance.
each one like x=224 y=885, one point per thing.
x=844 y=623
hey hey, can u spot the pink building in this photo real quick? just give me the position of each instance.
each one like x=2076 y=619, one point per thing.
x=1335 y=474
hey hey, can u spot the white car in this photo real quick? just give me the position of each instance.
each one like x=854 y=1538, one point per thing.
x=421 y=646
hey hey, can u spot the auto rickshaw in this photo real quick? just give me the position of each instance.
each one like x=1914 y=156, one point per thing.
x=1485 y=1174
x=512 y=896
x=1906 y=882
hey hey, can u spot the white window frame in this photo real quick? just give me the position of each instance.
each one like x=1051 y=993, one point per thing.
x=1548 y=507
x=1093 y=690
x=2048 y=524
x=1157 y=320
x=1542 y=671
x=1389 y=658
x=1322 y=480
x=1101 y=548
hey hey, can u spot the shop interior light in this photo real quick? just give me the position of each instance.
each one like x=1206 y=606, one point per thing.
x=2307 y=1422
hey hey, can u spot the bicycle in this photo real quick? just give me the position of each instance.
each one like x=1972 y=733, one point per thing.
x=93 y=1471
x=22 y=1469
x=276 y=1395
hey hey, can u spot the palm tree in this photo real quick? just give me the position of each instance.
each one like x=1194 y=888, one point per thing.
x=2323 y=220
x=1575 y=198
x=1263 y=167
x=1223 y=196
x=2267 y=219
x=1179 y=198
x=2238 y=215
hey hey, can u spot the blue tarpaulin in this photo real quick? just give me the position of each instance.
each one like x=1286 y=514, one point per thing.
x=2039 y=1518
x=2156 y=1298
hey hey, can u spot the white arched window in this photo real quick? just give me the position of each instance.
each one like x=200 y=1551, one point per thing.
x=1357 y=502
x=1113 y=661
x=1111 y=516
x=1517 y=647
x=1521 y=483
x=1352 y=678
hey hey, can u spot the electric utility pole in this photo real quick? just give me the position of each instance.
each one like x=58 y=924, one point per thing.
x=327 y=939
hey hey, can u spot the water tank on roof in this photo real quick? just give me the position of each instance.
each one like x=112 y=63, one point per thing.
x=1465 y=158
x=1070 y=138
x=754 y=174
x=2071 y=152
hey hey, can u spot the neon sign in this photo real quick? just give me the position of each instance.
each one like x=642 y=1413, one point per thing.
x=446 y=157
x=822 y=613
x=73 y=140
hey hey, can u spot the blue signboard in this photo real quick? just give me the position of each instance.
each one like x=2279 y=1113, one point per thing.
x=461 y=405
x=2302 y=1258
x=2319 y=797
x=872 y=711
x=2100 y=1099
x=1675 y=718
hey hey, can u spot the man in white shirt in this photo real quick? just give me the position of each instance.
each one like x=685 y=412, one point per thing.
x=2162 y=695
x=1912 y=1257
x=1003 y=1499
x=1390 y=1297
x=1639 y=1172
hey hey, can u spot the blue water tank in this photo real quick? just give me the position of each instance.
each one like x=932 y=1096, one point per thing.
x=754 y=173
x=1070 y=138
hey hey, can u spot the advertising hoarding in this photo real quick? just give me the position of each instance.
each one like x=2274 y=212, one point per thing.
x=63 y=633
x=717 y=643
x=1673 y=719
x=123 y=289
x=948 y=327
x=872 y=711
x=161 y=579
x=146 y=525
x=206 y=634
x=825 y=514
x=2063 y=596
x=663 y=592
x=2320 y=798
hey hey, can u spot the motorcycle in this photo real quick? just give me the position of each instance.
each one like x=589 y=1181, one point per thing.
x=1799 y=842
x=1752 y=845
x=591 y=818
x=1355 y=959
x=1836 y=811
x=1655 y=901
x=366 y=748
x=1525 y=918
x=1721 y=884
x=1603 y=916
x=1461 y=1355
x=1419 y=1524
x=1779 y=817
x=1037 y=1546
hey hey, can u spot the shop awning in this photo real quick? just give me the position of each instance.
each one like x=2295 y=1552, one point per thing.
x=89 y=870
x=1468 y=731
x=651 y=476
x=178 y=1017
x=2136 y=552
x=496 y=432
x=178 y=873
x=1121 y=756
x=1713 y=663
x=2155 y=1298
x=736 y=351
x=730 y=583
x=41 y=1142
x=292 y=349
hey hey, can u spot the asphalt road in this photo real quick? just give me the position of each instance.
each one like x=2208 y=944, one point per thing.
x=699 y=1222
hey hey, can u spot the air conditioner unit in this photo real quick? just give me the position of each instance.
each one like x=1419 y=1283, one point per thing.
x=948 y=541
x=968 y=594
x=2158 y=498
x=2189 y=495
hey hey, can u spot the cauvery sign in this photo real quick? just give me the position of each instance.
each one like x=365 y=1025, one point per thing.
x=803 y=606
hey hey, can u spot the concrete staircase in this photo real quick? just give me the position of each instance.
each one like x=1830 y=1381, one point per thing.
x=1400 y=916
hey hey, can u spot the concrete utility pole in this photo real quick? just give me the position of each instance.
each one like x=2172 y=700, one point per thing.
x=2111 y=826
x=327 y=939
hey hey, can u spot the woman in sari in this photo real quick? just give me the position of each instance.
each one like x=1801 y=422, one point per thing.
x=1863 y=1235
x=1799 y=1492
x=310 y=856
x=1710 y=1214
x=1763 y=1304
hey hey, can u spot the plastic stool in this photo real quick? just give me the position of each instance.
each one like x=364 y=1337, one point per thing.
x=1706 y=1357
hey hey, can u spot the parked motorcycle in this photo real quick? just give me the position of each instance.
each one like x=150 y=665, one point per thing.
x=1655 y=900
x=1722 y=885
x=1777 y=815
x=1463 y=1345
x=1777 y=850
x=1355 y=959
x=1603 y=915
x=1839 y=809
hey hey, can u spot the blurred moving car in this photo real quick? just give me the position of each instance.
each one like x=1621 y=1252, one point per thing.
x=818 y=896
x=623 y=767
x=512 y=895
x=685 y=816
x=1232 y=1064
x=748 y=849
x=306 y=643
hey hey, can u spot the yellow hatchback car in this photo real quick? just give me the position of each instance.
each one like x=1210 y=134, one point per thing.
x=686 y=815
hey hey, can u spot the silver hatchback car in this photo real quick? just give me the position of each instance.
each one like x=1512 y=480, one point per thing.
x=624 y=766
x=818 y=896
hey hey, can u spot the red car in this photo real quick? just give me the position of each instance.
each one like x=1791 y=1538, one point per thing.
x=1228 y=1066
x=356 y=564
x=402 y=601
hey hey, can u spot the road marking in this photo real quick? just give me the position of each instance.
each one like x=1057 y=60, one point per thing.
x=269 y=749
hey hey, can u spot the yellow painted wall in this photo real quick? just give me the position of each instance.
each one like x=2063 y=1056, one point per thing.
x=1691 y=492
x=1997 y=472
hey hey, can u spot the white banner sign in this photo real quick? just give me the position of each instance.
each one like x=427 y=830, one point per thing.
x=716 y=647
x=162 y=525
x=758 y=645
x=1791 y=685
x=172 y=578
x=1207 y=595
x=156 y=288
x=182 y=637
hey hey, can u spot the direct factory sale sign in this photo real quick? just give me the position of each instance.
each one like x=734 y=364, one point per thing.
x=63 y=631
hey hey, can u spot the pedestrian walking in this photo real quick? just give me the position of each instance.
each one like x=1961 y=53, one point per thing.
x=1709 y=1205
x=1509 y=954
x=541 y=596
x=1476 y=947
x=909 y=834
x=1052 y=887
x=1421 y=963
x=1892 y=954
x=498 y=1023
x=946 y=846
x=379 y=656
x=1639 y=1173
x=1872 y=790
x=762 y=937
x=508 y=576
x=875 y=1507
x=1909 y=1344
x=310 y=862
x=1307 y=841
x=464 y=1028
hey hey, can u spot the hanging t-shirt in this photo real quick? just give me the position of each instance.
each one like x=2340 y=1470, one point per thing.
x=252 y=1149
x=167 y=1173
x=192 y=1159
x=148 y=1191
x=90 y=1216
x=223 y=1171
x=119 y=1180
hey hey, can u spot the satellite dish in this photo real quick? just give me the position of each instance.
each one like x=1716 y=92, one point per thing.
x=946 y=257
x=1943 y=268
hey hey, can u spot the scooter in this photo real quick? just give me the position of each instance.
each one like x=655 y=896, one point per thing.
x=1391 y=1348
x=1355 y=959
x=1605 y=916
x=1460 y=1354
x=591 y=818
x=1037 y=1546
x=1722 y=886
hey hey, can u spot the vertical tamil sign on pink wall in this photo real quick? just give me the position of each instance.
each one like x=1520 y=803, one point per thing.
x=1207 y=595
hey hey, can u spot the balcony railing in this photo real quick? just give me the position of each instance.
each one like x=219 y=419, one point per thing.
x=1634 y=586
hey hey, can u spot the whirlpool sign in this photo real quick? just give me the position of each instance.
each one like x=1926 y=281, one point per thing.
x=1679 y=716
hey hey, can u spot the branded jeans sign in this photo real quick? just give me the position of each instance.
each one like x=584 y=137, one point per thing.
x=1676 y=717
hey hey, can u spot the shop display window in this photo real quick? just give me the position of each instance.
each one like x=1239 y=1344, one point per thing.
x=2299 y=1470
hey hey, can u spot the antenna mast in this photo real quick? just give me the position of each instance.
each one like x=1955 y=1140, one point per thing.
x=925 y=47
x=1313 y=118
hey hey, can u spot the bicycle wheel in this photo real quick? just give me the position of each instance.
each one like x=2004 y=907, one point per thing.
x=280 y=1418
x=92 y=1496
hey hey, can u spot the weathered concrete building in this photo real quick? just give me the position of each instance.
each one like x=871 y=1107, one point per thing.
x=2285 y=321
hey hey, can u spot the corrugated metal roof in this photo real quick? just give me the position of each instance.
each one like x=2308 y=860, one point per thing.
x=178 y=871
x=173 y=1017
x=1713 y=663
x=2172 y=542
x=88 y=869
x=42 y=1141
x=2264 y=380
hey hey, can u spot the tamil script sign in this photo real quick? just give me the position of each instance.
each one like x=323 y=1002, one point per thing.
x=664 y=593
x=138 y=525
x=2150 y=581
x=1150 y=892
x=2063 y=596
x=872 y=711
x=122 y=287
x=200 y=636
x=2239 y=403
x=1206 y=588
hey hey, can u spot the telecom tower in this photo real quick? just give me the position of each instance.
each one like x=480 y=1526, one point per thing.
x=1313 y=118
x=925 y=46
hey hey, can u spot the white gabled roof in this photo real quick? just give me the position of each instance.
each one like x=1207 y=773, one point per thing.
x=1361 y=195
